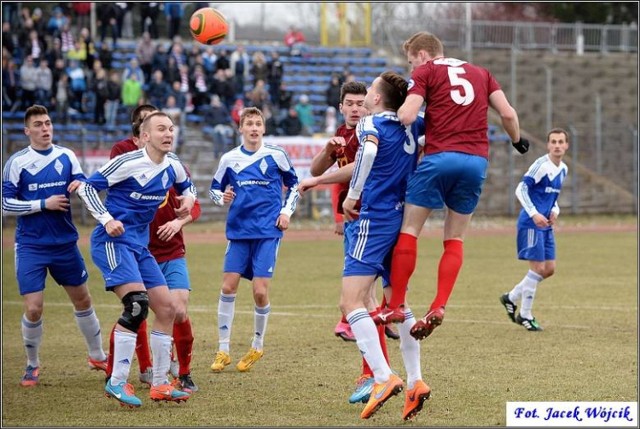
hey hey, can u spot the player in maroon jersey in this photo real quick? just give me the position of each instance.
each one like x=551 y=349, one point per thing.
x=453 y=169
x=166 y=244
x=341 y=149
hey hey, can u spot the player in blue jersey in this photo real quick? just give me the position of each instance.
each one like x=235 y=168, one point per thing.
x=387 y=156
x=250 y=178
x=137 y=183
x=36 y=185
x=538 y=193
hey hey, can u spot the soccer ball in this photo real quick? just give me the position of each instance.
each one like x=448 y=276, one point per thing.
x=208 y=26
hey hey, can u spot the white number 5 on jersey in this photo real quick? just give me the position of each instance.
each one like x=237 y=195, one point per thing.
x=456 y=80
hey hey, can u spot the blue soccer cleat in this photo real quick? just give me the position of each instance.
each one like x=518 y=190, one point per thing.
x=364 y=386
x=31 y=376
x=123 y=393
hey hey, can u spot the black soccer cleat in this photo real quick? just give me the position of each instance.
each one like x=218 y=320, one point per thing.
x=509 y=306
x=529 y=324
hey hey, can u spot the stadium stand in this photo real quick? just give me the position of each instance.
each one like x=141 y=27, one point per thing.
x=576 y=80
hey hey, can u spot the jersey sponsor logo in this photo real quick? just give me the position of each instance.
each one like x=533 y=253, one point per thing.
x=550 y=190
x=139 y=196
x=33 y=186
x=253 y=182
x=49 y=185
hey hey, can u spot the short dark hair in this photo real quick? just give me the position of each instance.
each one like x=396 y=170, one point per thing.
x=353 y=87
x=34 y=110
x=393 y=89
x=558 y=131
x=136 y=120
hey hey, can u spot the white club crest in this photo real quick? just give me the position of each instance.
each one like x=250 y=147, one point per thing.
x=264 y=166
x=58 y=166
x=165 y=180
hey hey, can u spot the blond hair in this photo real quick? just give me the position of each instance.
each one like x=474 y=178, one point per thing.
x=250 y=111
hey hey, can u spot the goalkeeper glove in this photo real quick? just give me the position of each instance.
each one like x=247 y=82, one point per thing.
x=521 y=145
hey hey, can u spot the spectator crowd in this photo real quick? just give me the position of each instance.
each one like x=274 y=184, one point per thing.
x=54 y=61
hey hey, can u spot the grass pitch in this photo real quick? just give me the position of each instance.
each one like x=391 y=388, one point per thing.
x=475 y=362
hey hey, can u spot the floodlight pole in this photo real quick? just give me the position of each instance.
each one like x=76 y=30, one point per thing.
x=469 y=35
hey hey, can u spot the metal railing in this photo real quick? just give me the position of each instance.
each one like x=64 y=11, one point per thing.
x=548 y=36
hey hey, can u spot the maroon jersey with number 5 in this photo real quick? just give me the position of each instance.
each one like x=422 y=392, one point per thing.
x=457 y=96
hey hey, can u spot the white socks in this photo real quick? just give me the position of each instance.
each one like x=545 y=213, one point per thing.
x=161 y=356
x=369 y=344
x=89 y=325
x=410 y=349
x=526 y=290
x=124 y=346
x=226 y=311
x=260 y=319
x=32 y=337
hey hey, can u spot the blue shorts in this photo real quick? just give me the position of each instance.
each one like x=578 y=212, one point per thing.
x=176 y=273
x=64 y=262
x=386 y=274
x=536 y=244
x=370 y=243
x=122 y=263
x=453 y=179
x=252 y=258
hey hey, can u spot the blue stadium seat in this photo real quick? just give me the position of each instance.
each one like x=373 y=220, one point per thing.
x=14 y=126
x=93 y=127
x=317 y=98
x=363 y=52
x=17 y=136
x=93 y=138
x=70 y=138
x=12 y=115
x=74 y=127
x=195 y=118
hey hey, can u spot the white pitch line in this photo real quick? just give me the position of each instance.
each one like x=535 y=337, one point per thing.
x=212 y=309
